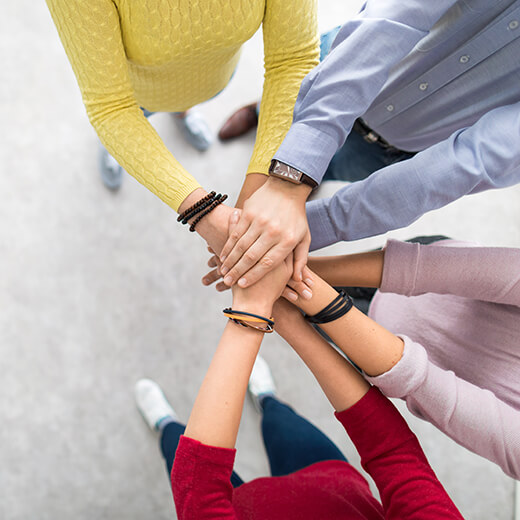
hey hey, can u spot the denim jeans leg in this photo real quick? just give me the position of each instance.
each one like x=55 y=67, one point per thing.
x=291 y=442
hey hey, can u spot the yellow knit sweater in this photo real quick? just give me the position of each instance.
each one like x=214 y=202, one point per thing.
x=169 y=55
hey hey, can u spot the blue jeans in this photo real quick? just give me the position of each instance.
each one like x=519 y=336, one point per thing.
x=291 y=442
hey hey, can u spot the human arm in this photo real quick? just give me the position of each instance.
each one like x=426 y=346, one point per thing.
x=354 y=270
x=389 y=451
x=481 y=157
x=489 y=274
x=204 y=460
x=91 y=35
x=472 y=416
x=340 y=89
x=291 y=50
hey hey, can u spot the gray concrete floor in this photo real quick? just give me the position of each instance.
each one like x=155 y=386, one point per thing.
x=99 y=289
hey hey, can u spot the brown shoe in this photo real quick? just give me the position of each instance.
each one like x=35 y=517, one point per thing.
x=243 y=120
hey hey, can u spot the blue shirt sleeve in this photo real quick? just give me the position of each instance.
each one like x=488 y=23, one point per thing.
x=344 y=85
x=483 y=156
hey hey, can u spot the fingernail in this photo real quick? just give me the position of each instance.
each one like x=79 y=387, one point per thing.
x=222 y=258
x=292 y=296
x=309 y=282
x=242 y=282
x=307 y=294
x=223 y=270
x=228 y=280
x=234 y=217
x=205 y=281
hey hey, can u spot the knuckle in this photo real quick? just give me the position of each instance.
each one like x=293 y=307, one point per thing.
x=250 y=257
x=235 y=235
x=267 y=262
x=273 y=230
x=289 y=238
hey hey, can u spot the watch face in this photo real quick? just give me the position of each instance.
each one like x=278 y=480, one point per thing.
x=287 y=172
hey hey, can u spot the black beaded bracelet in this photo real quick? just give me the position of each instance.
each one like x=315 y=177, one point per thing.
x=218 y=200
x=334 y=310
x=196 y=205
x=201 y=208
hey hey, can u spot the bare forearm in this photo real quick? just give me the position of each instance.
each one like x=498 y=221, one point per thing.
x=216 y=414
x=358 y=270
x=373 y=348
x=340 y=382
x=252 y=182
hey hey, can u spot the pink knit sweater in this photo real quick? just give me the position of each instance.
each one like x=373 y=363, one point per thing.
x=457 y=307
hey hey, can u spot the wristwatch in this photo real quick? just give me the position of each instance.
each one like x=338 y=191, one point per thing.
x=288 y=173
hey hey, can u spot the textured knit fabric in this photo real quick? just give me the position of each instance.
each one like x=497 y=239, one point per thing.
x=457 y=307
x=168 y=55
x=327 y=490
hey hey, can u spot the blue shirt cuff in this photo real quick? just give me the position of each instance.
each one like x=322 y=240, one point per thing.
x=308 y=150
x=320 y=225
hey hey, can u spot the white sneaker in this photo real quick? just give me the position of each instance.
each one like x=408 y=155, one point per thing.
x=152 y=403
x=194 y=129
x=261 y=383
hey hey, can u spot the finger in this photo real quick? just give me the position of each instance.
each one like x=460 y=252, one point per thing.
x=211 y=277
x=236 y=229
x=211 y=250
x=301 y=288
x=221 y=287
x=255 y=253
x=268 y=261
x=308 y=278
x=301 y=252
x=230 y=268
x=212 y=262
x=290 y=295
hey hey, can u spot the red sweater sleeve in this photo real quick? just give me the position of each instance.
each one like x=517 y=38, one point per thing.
x=200 y=481
x=391 y=454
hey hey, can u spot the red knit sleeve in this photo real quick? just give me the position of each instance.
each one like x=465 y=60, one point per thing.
x=200 y=481
x=391 y=454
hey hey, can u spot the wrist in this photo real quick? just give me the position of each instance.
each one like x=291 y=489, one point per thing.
x=298 y=192
x=322 y=295
x=246 y=305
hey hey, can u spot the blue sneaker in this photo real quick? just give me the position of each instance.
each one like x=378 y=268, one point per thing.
x=194 y=129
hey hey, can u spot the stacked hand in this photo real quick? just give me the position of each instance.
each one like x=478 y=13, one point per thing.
x=273 y=224
x=271 y=228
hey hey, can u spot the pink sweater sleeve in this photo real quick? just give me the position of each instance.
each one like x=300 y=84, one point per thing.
x=472 y=416
x=200 y=481
x=482 y=273
x=393 y=457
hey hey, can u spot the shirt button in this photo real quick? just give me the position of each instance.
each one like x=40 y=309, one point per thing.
x=390 y=108
x=423 y=86
x=513 y=24
x=464 y=59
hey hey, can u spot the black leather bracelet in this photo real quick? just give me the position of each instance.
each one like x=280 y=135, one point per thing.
x=334 y=310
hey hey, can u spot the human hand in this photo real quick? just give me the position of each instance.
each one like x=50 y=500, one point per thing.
x=297 y=290
x=214 y=275
x=272 y=225
x=260 y=297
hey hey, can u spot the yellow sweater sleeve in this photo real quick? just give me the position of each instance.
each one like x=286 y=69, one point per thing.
x=91 y=34
x=291 y=50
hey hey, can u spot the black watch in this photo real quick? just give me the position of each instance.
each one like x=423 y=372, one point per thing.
x=288 y=173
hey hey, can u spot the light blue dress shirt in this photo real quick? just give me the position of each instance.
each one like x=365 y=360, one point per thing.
x=441 y=78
